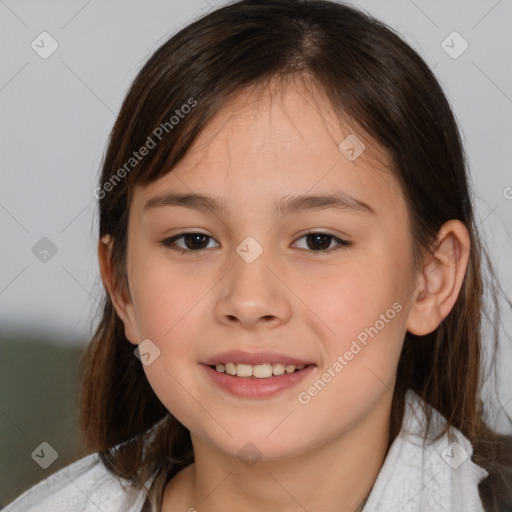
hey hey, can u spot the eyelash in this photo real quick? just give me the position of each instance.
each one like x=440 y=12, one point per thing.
x=170 y=242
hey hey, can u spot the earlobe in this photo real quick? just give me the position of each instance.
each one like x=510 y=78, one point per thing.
x=440 y=279
x=119 y=296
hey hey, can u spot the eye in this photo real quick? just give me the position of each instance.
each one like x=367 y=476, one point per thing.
x=193 y=242
x=322 y=241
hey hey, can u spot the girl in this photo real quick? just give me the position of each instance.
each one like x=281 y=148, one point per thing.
x=294 y=285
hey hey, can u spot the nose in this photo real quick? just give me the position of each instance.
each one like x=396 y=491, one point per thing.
x=253 y=294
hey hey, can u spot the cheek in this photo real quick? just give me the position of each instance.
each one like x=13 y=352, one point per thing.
x=362 y=348
x=164 y=297
x=361 y=309
x=168 y=312
x=175 y=388
x=352 y=297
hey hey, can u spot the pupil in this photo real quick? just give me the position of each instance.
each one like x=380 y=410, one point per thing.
x=192 y=239
x=316 y=237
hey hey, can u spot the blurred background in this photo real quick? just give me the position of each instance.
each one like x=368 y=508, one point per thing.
x=66 y=66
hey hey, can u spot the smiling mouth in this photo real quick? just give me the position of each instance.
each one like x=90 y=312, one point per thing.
x=259 y=371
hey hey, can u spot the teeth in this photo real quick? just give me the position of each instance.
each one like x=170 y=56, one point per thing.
x=260 y=371
x=231 y=368
x=278 y=369
x=244 y=370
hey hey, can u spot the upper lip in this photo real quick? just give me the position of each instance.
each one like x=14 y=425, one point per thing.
x=252 y=358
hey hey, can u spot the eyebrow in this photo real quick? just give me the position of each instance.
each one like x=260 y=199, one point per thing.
x=285 y=205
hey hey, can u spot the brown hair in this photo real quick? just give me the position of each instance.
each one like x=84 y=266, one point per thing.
x=371 y=76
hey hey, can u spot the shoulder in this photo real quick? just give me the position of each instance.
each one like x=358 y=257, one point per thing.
x=423 y=473
x=85 y=485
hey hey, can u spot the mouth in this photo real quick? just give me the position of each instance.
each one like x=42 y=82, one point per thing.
x=257 y=371
x=256 y=375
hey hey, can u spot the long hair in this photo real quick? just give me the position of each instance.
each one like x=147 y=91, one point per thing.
x=372 y=77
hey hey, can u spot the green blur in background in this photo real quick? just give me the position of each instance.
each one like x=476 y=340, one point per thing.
x=39 y=383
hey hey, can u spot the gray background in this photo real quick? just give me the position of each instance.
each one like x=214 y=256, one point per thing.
x=56 y=114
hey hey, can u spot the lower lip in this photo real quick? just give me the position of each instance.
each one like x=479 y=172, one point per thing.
x=253 y=387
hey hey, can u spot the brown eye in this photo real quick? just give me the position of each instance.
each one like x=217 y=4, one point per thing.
x=318 y=242
x=192 y=242
x=195 y=242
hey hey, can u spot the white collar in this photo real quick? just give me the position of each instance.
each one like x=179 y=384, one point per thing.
x=420 y=476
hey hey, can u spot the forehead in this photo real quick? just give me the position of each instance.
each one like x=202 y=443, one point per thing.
x=270 y=140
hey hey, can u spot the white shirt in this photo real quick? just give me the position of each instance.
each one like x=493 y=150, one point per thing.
x=436 y=477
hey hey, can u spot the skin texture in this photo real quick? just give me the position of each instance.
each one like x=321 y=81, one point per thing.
x=306 y=303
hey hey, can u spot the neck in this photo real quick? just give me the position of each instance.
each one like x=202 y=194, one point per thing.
x=336 y=476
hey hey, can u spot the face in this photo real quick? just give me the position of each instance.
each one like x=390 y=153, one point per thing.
x=315 y=282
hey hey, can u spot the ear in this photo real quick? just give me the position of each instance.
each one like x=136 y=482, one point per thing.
x=440 y=280
x=118 y=294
